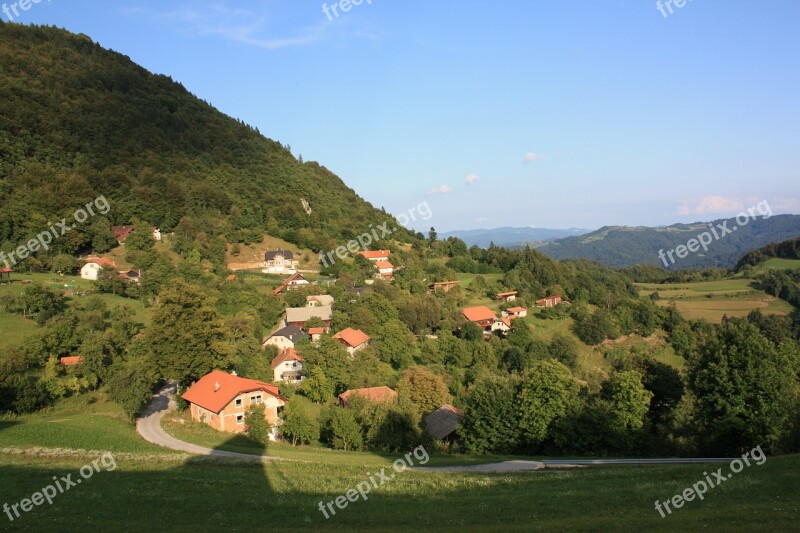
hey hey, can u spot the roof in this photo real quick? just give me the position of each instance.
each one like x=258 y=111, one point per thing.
x=324 y=299
x=122 y=232
x=549 y=298
x=293 y=333
x=383 y=264
x=286 y=355
x=287 y=254
x=316 y=331
x=352 y=337
x=71 y=361
x=217 y=389
x=304 y=314
x=287 y=281
x=6 y=270
x=442 y=422
x=375 y=254
x=102 y=261
x=371 y=394
x=478 y=313
x=232 y=277
x=505 y=320
x=516 y=309
x=447 y=283
x=509 y=293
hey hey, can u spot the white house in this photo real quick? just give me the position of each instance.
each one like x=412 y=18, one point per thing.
x=288 y=367
x=94 y=265
x=280 y=262
x=319 y=300
x=285 y=338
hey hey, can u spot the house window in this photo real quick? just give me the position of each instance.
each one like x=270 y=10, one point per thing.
x=255 y=399
x=240 y=419
x=238 y=402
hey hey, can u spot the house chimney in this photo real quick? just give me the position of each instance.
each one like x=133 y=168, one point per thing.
x=216 y=386
x=233 y=373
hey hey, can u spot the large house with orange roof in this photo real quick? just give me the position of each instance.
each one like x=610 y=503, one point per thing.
x=370 y=394
x=486 y=319
x=287 y=367
x=353 y=340
x=375 y=255
x=222 y=401
x=94 y=265
x=385 y=269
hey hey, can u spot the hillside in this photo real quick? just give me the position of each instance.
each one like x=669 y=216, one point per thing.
x=789 y=251
x=621 y=246
x=78 y=121
x=509 y=236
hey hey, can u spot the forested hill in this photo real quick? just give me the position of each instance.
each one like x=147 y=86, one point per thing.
x=621 y=246
x=782 y=250
x=78 y=121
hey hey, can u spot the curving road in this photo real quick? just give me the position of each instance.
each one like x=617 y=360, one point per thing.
x=149 y=427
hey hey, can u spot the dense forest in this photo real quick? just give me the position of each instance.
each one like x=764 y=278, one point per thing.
x=78 y=121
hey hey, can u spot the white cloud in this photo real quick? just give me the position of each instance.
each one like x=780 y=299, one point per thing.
x=472 y=179
x=441 y=190
x=531 y=157
x=250 y=26
x=710 y=205
x=481 y=219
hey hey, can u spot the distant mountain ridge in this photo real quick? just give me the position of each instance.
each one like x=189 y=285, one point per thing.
x=511 y=236
x=621 y=246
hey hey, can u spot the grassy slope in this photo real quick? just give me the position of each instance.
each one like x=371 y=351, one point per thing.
x=199 y=494
x=712 y=300
x=14 y=328
x=88 y=422
x=783 y=264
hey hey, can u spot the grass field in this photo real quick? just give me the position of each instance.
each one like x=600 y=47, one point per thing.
x=711 y=300
x=88 y=422
x=200 y=494
x=783 y=264
x=15 y=328
x=152 y=489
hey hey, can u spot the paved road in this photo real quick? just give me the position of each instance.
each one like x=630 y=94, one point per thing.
x=524 y=466
x=149 y=427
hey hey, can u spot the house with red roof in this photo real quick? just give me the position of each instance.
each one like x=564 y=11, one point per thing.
x=369 y=394
x=73 y=360
x=486 y=319
x=6 y=272
x=122 y=232
x=385 y=270
x=292 y=282
x=549 y=301
x=352 y=339
x=375 y=255
x=515 y=312
x=94 y=265
x=509 y=296
x=287 y=367
x=222 y=401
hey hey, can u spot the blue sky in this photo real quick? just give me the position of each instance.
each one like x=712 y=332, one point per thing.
x=520 y=113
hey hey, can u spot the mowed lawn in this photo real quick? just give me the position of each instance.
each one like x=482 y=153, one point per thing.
x=201 y=494
x=711 y=300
